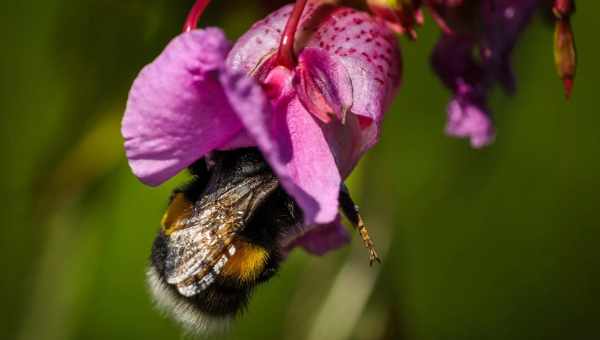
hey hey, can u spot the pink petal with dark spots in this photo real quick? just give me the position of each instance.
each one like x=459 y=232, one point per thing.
x=323 y=85
x=365 y=47
x=259 y=43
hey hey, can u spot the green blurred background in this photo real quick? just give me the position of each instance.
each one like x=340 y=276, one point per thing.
x=500 y=243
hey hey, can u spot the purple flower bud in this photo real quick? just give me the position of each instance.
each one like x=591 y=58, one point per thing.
x=499 y=24
x=468 y=118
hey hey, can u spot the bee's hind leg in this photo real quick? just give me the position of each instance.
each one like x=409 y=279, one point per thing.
x=350 y=209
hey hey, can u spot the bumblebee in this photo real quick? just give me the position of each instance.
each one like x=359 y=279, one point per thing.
x=221 y=237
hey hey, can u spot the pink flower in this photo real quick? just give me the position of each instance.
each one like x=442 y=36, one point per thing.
x=475 y=49
x=312 y=120
x=468 y=118
x=469 y=76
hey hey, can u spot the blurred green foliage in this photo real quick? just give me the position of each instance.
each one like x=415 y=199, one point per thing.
x=499 y=243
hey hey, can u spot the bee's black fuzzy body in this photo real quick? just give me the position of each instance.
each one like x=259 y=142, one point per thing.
x=233 y=211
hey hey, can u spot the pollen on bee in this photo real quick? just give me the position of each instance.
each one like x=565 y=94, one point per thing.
x=247 y=263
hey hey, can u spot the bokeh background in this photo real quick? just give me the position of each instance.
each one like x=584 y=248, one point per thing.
x=500 y=243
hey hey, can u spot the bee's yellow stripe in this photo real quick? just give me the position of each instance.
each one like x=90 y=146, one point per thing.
x=248 y=262
x=177 y=214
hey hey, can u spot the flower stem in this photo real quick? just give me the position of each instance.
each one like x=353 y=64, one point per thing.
x=285 y=55
x=192 y=19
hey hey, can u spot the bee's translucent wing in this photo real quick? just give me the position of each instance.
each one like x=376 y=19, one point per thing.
x=198 y=252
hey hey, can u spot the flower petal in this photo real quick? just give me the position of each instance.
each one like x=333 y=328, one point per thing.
x=322 y=238
x=293 y=143
x=467 y=117
x=340 y=43
x=323 y=84
x=367 y=49
x=364 y=46
x=503 y=23
x=453 y=61
x=253 y=109
x=259 y=43
x=177 y=110
x=349 y=141
x=305 y=163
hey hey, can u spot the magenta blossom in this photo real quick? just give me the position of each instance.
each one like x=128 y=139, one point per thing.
x=468 y=116
x=498 y=25
x=474 y=51
x=312 y=120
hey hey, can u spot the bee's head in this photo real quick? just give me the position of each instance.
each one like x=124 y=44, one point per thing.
x=219 y=239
